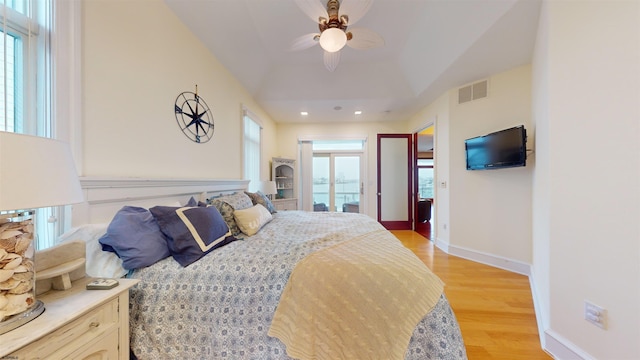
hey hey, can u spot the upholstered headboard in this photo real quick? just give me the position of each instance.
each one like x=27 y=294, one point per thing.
x=105 y=196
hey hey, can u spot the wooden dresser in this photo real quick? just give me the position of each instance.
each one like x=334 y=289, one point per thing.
x=285 y=204
x=76 y=324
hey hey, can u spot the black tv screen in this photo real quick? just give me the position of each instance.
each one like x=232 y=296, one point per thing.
x=500 y=149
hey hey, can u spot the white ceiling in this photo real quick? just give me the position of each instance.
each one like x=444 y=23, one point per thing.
x=430 y=47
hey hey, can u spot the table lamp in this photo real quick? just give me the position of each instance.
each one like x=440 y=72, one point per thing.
x=268 y=188
x=35 y=172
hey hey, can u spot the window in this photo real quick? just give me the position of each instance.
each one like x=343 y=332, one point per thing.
x=25 y=84
x=8 y=44
x=338 y=145
x=425 y=178
x=332 y=170
x=252 y=150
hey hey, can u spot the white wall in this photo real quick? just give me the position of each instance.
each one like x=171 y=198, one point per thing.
x=587 y=181
x=137 y=58
x=491 y=209
x=288 y=135
x=541 y=178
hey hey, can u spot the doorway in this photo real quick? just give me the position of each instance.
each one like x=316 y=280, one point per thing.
x=424 y=180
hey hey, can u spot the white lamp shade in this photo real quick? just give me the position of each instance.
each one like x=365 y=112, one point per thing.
x=36 y=172
x=333 y=39
x=268 y=187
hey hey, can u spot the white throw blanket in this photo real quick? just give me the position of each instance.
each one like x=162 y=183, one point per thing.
x=360 y=299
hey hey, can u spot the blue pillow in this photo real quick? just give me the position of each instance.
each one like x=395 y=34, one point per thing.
x=135 y=237
x=192 y=202
x=192 y=232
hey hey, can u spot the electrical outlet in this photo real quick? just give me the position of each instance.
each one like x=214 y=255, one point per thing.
x=595 y=314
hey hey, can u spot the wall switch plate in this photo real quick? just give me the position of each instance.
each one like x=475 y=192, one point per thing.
x=595 y=314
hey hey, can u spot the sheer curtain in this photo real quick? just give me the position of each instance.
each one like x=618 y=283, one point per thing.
x=306 y=174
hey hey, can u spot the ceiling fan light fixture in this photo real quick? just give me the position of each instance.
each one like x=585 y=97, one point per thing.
x=333 y=39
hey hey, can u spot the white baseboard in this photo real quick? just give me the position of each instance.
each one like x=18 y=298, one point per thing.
x=500 y=262
x=442 y=245
x=537 y=307
x=551 y=342
x=563 y=349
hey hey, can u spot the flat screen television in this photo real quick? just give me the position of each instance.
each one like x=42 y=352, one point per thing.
x=501 y=149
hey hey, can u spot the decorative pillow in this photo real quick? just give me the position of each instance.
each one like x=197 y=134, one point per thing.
x=238 y=200
x=227 y=204
x=252 y=219
x=226 y=211
x=192 y=232
x=101 y=264
x=259 y=198
x=135 y=237
x=192 y=202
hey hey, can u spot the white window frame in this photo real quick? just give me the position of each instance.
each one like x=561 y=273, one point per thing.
x=249 y=159
x=51 y=53
x=305 y=145
x=18 y=112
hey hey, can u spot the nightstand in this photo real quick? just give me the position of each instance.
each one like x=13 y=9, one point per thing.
x=76 y=324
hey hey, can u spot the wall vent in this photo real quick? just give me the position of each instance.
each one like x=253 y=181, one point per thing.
x=465 y=94
x=474 y=91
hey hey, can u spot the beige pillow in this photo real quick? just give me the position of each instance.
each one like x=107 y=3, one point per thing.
x=252 y=219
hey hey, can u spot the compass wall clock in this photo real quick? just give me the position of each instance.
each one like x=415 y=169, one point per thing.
x=194 y=117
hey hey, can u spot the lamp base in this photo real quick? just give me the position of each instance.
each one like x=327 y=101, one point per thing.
x=22 y=318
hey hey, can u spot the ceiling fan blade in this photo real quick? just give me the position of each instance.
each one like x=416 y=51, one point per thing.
x=331 y=60
x=304 y=42
x=313 y=9
x=364 y=38
x=354 y=9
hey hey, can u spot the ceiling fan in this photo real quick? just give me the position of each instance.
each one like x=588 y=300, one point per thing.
x=333 y=22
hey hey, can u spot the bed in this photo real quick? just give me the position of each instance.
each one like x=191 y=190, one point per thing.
x=247 y=298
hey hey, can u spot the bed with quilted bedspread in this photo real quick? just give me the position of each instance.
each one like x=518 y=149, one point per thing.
x=223 y=305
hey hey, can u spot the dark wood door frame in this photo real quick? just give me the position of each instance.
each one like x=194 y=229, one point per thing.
x=422 y=228
x=400 y=224
x=416 y=196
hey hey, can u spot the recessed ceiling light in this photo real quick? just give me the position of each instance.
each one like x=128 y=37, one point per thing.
x=358 y=112
x=304 y=113
x=337 y=108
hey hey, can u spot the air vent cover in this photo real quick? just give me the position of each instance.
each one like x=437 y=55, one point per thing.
x=473 y=92
x=464 y=94
x=480 y=90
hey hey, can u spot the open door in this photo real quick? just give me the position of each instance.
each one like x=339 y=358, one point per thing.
x=395 y=181
x=422 y=207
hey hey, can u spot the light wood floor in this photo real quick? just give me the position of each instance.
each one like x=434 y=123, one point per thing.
x=494 y=307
